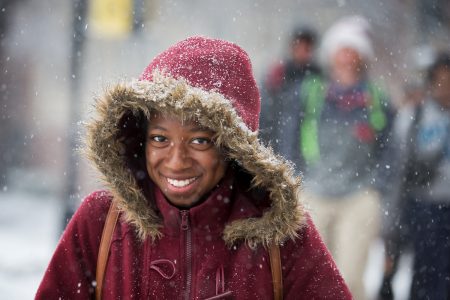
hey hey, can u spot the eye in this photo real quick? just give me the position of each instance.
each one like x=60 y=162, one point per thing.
x=158 y=140
x=202 y=143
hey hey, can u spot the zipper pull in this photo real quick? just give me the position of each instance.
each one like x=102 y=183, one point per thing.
x=184 y=220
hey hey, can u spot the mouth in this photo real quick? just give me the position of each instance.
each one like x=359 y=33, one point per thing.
x=181 y=183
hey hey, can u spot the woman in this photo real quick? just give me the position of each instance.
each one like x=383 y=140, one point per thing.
x=343 y=134
x=200 y=199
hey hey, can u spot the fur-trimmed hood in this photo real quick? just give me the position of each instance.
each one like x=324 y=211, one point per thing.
x=106 y=148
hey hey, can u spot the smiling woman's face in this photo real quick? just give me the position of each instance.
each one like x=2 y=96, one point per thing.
x=182 y=159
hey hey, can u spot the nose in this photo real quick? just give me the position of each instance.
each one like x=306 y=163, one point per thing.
x=178 y=157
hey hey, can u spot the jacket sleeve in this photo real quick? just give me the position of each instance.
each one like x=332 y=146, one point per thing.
x=309 y=271
x=71 y=272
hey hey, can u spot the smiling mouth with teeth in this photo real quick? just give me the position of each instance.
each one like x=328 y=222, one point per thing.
x=181 y=183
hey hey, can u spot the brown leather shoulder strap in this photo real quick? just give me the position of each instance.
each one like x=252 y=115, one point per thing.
x=105 y=243
x=275 y=266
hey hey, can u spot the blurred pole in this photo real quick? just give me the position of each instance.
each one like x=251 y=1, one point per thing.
x=4 y=99
x=71 y=190
x=11 y=98
x=138 y=15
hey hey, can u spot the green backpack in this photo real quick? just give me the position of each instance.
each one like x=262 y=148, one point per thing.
x=313 y=95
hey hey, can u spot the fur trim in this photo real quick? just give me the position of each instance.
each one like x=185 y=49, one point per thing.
x=177 y=97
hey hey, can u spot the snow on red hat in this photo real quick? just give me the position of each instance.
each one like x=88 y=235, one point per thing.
x=212 y=65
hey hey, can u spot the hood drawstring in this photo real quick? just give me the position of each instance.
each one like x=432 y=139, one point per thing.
x=220 y=285
x=220 y=276
x=154 y=266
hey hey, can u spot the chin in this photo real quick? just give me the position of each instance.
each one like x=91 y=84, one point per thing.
x=181 y=203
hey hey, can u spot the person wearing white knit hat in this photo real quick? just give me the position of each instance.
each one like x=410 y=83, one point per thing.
x=342 y=137
x=352 y=32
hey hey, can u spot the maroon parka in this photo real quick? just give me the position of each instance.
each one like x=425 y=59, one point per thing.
x=191 y=260
x=217 y=249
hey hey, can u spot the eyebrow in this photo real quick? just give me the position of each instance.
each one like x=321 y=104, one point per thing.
x=157 y=127
x=193 y=129
x=200 y=128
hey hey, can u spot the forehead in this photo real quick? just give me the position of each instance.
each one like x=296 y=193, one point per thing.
x=165 y=121
x=347 y=50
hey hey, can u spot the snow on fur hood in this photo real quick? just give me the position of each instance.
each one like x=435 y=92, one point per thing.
x=162 y=89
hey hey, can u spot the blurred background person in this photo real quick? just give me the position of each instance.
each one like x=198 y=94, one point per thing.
x=426 y=184
x=342 y=136
x=280 y=106
x=396 y=222
x=431 y=277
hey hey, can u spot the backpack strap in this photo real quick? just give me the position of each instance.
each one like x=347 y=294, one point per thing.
x=105 y=244
x=377 y=117
x=275 y=266
x=312 y=93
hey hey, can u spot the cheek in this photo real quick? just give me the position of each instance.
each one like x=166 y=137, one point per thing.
x=147 y=156
x=150 y=159
x=220 y=167
x=150 y=153
x=214 y=165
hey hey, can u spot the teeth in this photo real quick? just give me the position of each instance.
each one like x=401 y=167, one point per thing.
x=181 y=183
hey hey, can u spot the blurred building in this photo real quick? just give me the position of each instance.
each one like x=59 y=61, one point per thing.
x=36 y=50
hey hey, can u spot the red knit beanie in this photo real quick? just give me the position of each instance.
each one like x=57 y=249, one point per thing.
x=213 y=65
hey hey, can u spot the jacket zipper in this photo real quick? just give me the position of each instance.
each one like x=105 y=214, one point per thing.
x=188 y=242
